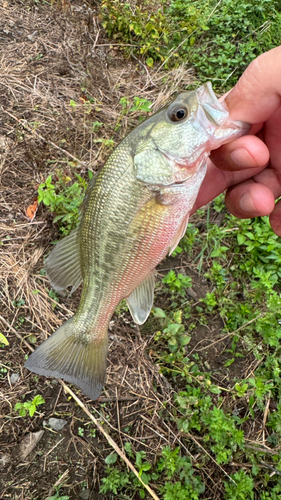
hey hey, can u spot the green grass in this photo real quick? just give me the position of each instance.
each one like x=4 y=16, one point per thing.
x=218 y=39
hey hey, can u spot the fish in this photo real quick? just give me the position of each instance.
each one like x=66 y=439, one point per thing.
x=135 y=212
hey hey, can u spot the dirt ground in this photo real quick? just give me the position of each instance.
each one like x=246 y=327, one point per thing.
x=48 y=58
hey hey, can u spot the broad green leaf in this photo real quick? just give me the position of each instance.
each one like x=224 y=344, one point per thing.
x=111 y=459
x=38 y=400
x=149 y=62
x=3 y=339
x=159 y=313
x=215 y=389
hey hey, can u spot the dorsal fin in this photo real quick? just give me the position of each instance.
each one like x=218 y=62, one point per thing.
x=85 y=201
x=63 y=266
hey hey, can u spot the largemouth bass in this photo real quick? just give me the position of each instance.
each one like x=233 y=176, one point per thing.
x=135 y=212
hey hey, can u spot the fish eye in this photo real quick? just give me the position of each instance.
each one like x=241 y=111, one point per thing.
x=177 y=113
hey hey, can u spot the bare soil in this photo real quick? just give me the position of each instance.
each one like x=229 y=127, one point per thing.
x=50 y=56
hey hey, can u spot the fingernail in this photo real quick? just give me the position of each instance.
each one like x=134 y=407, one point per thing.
x=246 y=203
x=242 y=158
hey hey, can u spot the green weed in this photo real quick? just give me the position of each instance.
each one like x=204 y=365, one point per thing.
x=173 y=334
x=141 y=106
x=240 y=260
x=63 y=198
x=81 y=431
x=173 y=473
x=57 y=495
x=177 y=283
x=218 y=38
x=3 y=369
x=109 y=143
x=29 y=406
x=241 y=489
x=229 y=35
x=146 y=29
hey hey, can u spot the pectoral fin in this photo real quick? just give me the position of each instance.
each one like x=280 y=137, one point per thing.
x=63 y=264
x=179 y=235
x=140 y=301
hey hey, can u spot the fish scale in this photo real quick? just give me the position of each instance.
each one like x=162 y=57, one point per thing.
x=135 y=212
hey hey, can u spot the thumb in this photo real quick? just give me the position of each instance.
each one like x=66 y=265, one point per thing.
x=257 y=95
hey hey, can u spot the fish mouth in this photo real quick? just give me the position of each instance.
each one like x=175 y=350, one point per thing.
x=211 y=112
x=214 y=117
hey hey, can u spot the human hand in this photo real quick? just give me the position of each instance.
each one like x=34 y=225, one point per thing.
x=250 y=167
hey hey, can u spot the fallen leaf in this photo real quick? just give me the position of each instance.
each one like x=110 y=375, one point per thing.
x=29 y=442
x=32 y=209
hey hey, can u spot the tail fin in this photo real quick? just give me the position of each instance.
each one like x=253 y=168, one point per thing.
x=73 y=358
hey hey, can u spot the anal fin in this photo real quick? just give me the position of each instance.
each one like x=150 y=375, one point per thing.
x=140 y=301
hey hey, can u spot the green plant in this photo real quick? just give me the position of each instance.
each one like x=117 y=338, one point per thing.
x=3 y=370
x=63 y=199
x=245 y=292
x=241 y=489
x=109 y=143
x=144 y=28
x=219 y=39
x=142 y=106
x=273 y=494
x=114 y=480
x=177 y=283
x=174 y=473
x=173 y=334
x=29 y=406
x=173 y=465
x=57 y=495
x=92 y=433
x=96 y=126
x=228 y=37
x=223 y=433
